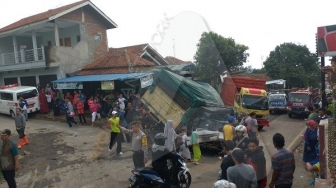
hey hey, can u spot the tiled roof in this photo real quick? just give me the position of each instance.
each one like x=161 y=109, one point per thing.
x=175 y=61
x=116 y=61
x=136 y=49
x=40 y=16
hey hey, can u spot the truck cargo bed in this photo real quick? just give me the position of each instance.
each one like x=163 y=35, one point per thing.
x=162 y=106
x=248 y=82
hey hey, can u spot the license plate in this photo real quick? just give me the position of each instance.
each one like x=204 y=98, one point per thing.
x=132 y=179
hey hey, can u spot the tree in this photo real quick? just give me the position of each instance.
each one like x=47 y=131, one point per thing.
x=216 y=54
x=260 y=71
x=293 y=63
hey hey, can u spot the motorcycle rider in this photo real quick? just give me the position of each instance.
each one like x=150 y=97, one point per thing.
x=160 y=155
x=241 y=139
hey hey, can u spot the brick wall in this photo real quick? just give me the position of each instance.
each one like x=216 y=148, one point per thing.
x=91 y=26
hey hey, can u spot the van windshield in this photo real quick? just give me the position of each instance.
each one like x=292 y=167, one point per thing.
x=277 y=97
x=27 y=94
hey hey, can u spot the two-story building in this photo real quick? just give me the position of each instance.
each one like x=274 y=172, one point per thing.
x=52 y=44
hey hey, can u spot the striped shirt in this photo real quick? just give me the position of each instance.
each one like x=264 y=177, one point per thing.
x=284 y=162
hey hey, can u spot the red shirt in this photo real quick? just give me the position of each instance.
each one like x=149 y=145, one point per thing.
x=80 y=107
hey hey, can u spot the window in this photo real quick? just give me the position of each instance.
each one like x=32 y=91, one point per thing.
x=45 y=79
x=67 y=42
x=299 y=97
x=27 y=94
x=6 y=96
x=255 y=102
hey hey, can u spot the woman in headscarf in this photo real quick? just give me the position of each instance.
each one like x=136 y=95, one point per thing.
x=43 y=103
x=171 y=135
x=311 y=141
x=196 y=147
x=184 y=150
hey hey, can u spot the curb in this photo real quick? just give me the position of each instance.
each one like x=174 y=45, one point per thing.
x=297 y=141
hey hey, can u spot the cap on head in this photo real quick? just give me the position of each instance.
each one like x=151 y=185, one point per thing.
x=311 y=123
x=114 y=112
x=231 y=119
x=6 y=132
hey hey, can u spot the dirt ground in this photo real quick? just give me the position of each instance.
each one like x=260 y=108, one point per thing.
x=77 y=157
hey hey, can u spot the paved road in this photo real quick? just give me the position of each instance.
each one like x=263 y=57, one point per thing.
x=62 y=157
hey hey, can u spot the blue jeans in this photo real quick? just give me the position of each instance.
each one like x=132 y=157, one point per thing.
x=25 y=114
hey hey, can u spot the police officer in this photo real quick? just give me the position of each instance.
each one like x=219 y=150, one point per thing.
x=139 y=144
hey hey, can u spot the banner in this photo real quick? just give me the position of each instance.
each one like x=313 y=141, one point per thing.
x=68 y=85
x=107 y=85
x=146 y=81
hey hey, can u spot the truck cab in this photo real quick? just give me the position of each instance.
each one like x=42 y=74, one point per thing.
x=298 y=103
x=253 y=100
x=277 y=103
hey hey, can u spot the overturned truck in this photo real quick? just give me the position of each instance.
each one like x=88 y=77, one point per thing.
x=195 y=105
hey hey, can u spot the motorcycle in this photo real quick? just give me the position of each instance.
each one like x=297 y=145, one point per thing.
x=147 y=178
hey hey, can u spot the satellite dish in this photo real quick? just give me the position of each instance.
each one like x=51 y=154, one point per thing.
x=249 y=70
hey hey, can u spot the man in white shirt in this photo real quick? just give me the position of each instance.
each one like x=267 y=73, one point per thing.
x=121 y=102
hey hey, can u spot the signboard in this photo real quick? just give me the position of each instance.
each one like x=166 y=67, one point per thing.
x=107 y=85
x=68 y=85
x=326 y=45
x=146 y=81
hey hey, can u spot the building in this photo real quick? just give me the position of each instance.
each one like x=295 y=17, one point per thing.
x=53 y=44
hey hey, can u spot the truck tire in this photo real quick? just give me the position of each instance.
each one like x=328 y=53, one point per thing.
x=290 y=115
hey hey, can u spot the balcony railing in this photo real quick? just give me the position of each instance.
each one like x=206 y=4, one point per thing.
x=23 y=56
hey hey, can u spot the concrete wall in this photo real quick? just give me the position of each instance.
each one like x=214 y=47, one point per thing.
x=32 y=72
x=70 y=59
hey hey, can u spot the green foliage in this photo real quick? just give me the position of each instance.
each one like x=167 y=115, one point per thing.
x=259 y=71
x=215 y=54
x=295 y=64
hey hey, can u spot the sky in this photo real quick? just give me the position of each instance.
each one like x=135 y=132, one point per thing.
x=174 y=27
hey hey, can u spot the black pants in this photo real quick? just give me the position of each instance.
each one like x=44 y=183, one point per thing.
x=116 y=137
x=138 y=159
x=82 y=118
x=165 y=175
x=9 y=176
x=21 y=132
x=284 y=186
x=70 y=120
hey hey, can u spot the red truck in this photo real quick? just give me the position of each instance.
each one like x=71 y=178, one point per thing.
x=300 y=100
x=246 y=95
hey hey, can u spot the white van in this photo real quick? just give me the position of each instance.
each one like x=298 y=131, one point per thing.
x=9 y=98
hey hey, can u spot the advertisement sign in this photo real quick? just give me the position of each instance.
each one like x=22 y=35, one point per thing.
x=146 y=81
x=326 y=45
x=68 y=85
x=107 y=85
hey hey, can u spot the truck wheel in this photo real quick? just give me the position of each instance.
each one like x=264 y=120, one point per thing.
x=260 y=127
x=290 y=115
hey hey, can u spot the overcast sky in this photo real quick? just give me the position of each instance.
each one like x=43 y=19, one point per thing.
x=259 y=24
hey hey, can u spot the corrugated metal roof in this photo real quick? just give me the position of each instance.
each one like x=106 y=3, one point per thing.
x=103 y=77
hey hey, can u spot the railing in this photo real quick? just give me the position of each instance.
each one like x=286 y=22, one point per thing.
x=23 y=56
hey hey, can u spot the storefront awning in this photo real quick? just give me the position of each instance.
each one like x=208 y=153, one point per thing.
x=103 y=77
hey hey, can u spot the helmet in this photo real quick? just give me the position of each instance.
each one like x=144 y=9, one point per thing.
x=241 y=128
x=160 y=139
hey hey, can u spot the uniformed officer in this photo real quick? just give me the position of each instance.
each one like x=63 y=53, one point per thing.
x=139 y=144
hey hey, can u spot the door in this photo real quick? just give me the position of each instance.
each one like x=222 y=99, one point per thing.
x=12 y=80
x=6 y=102
x=45 y=79
x=28 y=81
x=67 y=42
x=61 y=42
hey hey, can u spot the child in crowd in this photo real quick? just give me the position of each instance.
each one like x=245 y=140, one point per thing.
x=94 y=107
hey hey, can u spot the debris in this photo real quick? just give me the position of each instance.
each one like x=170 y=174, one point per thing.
x=59 y=152
x=26 y=153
